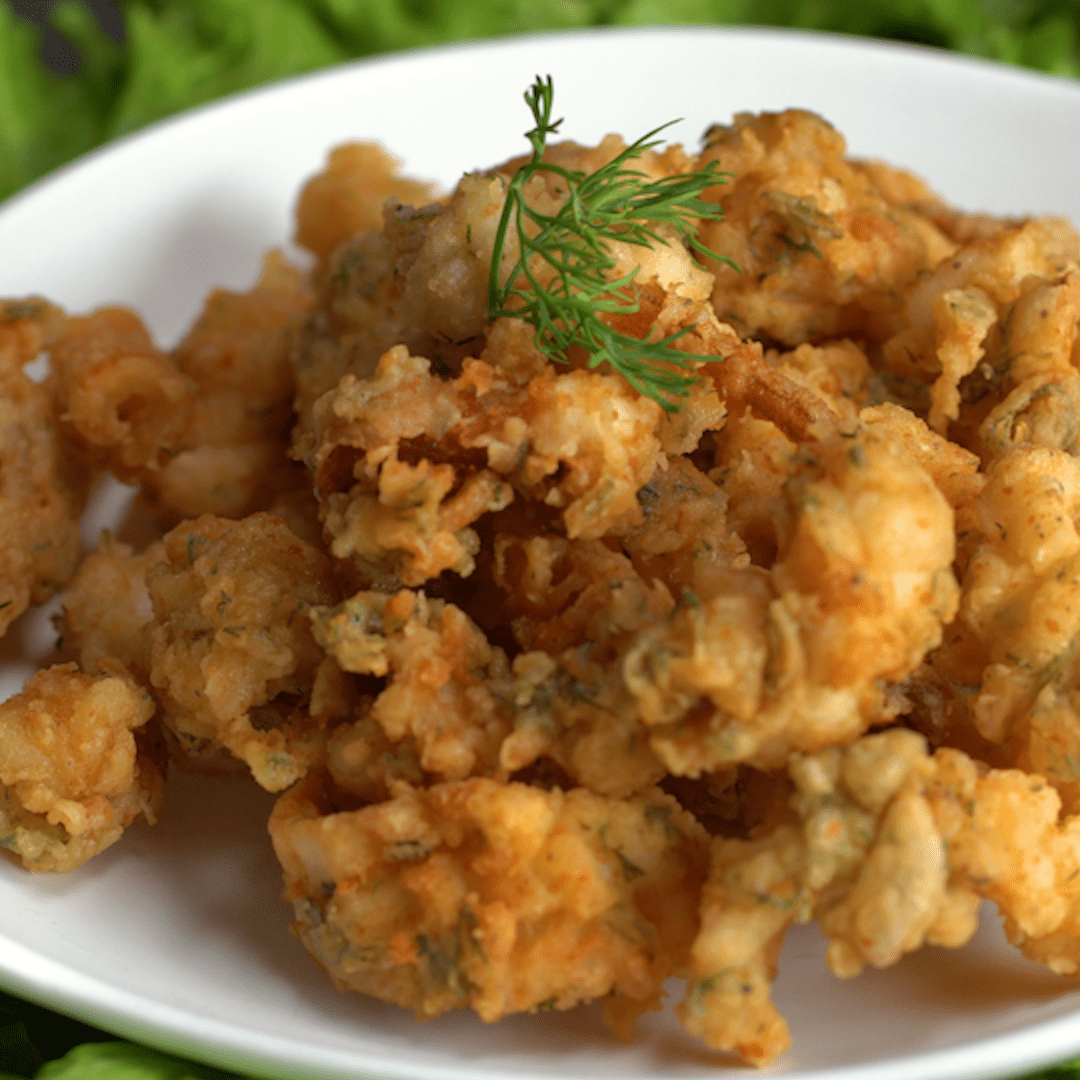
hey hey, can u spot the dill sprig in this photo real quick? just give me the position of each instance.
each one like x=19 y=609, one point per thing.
x=615 y=203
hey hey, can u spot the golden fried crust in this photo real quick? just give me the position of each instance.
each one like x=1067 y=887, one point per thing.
x=347 y=197
x=233 y=458
x=233 y=659
x=442 y=697
x=43 y=485
x=1020 y=607
x=71 y=776
x=562 y=593
x=558 y=632
x=684 y=538
x=821 y=251
x=119 y=396
x=406 y=462
x=759 y=663
x=893 y=848
x=993 y=329
x=119 y=630
x=498 y=897
x=795 y=658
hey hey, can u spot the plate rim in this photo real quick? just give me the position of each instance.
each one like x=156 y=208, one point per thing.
x=114 y=1008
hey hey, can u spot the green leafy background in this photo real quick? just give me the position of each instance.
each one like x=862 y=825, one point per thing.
x=179 y=53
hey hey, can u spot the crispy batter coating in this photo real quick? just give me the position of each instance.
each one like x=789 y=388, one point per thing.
x=206 y=429
x=564 y=593
x=889 y=848
x=42 y=485
x=441 y=694
x=347 y=197
x=821 y=252
x=120 y=629
x=420 y=281
x=233 y=659
x=72 y=777
x=993 y=328
x=117 y=394
x=766 y=662
x=1021 y=609
x=797 y=658
x=683 y=539
x=407 y=462
x=233 y=458
x=502 y=898
x=862 y=853
x=572 y=693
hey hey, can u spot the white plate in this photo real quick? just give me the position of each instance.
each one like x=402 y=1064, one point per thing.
x=176 y=936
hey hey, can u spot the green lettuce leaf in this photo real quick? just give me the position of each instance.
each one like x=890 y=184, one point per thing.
x=184 y=54
x=45 y=120
x=124 y=1061
x=18 y=1055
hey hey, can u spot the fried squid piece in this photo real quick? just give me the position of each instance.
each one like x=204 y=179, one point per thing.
x=119 y=629
x=348 y=196
x=901 y=188
x=993 y=328
x=233 y=658
x=798 y=657
x=864 y=855
x=954 y=470
x=72 y=777
x=577 y=712
x=233 y=458
x=754 y=459
x=562 y=593
x=43 y=484
x=421 y=281
x=838 y=372
x=119 y=396
x=684 y=538
x=864 y=841
x=441 y=673
x=502 y=898
x=821 y=252
x=1021 y=602
x=770 y=387
x=1007 y=841
x=767 y=661
x=892 y=848
x=407 y=462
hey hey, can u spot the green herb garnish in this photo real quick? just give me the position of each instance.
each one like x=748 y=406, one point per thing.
x=561 y=281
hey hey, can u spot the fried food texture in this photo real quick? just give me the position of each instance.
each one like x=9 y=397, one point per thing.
x=889 y=848
x=43 y=486
x=233 y=458
x=564 y=690
x=72 y=776
x=821 y=251
x=579 y=442
x=499 y=897
x=233 y=659
x=348 y=196
x=443 y=680
x=118 y=395
x=993 y=329
x=119 y=630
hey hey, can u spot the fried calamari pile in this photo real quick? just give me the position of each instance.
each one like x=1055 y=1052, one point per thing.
x=567 y=693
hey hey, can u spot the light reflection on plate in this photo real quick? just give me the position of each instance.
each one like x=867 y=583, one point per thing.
x=176 y=936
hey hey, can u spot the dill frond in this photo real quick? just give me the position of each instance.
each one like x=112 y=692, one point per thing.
x=615 y=203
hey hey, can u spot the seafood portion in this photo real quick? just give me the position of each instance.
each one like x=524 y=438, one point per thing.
x=591 y=634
